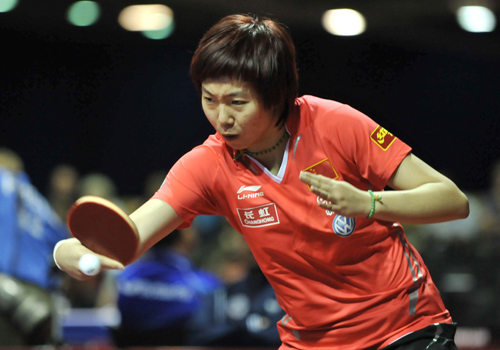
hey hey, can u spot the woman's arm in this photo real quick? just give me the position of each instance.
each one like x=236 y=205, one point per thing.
x=422 y=196
x=154 y=220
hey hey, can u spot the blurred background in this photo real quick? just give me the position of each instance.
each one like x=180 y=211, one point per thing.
x=96 y=98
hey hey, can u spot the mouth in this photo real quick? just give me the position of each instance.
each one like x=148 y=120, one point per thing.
x=230 y=137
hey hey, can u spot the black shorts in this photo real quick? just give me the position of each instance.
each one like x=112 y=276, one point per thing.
x=439 y=336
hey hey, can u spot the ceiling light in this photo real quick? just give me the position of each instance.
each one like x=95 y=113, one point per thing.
x=7 y=5
x=83 y=13
x=345 y=22
x=146 y=17
x=476 y=19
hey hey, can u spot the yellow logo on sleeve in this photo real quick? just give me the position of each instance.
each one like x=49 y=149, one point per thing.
x=382 y=137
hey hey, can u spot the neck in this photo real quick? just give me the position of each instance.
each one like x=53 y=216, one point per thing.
x=269 y=150
x=274 y=157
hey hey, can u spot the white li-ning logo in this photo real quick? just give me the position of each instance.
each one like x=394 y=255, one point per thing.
x=253 y=189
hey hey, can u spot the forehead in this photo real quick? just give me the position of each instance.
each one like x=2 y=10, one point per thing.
x=227 y=86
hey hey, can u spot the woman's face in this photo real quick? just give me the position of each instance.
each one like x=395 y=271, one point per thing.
x=234 y=110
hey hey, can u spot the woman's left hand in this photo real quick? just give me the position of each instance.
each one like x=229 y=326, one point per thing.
x=421 y=196
x=339 y=196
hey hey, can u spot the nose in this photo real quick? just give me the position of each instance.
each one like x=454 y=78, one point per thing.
x=224 y=117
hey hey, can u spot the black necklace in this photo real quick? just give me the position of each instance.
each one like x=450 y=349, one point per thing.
x=253 y=154
x=267 y=150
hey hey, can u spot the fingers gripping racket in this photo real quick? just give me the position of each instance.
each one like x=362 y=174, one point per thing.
x=104 y=228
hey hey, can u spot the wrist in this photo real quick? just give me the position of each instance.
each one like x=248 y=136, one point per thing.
x=57 y=246
x=373 y=199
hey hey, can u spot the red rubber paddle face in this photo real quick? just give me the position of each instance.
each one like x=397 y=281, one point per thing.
x=104 y=228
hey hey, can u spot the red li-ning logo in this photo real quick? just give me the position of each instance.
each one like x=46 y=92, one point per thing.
x=263 y=215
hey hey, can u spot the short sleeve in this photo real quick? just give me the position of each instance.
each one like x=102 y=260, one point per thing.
x=189 y=184
x=375 y=151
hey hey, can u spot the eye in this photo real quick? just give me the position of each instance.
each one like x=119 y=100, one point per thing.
x=208 y=99
x=238 y=102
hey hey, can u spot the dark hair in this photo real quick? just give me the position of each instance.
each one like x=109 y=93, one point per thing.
x=259 y=52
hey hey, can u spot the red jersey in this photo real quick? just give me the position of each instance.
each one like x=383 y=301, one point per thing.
x=345 y=283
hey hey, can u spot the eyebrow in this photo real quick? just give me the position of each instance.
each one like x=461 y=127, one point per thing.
x=232 y=94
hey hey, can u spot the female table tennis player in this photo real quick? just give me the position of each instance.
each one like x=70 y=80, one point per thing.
x=302 y=179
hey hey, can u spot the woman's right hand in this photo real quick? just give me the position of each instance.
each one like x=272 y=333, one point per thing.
x=69 y=252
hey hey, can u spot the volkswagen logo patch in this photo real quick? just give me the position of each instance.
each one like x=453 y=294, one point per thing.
x=344 y=226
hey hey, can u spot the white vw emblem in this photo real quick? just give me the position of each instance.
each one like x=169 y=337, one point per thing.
x=344 y=226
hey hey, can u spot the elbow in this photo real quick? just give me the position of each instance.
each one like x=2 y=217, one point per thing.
x=458 y=203
x=463 y=209
x=466 y=210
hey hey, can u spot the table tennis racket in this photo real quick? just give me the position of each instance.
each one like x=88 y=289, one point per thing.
x=104 y=228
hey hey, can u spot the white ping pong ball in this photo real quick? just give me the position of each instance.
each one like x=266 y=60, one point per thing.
x=89 y=264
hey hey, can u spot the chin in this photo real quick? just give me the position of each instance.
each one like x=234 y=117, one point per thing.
x=233 y=144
